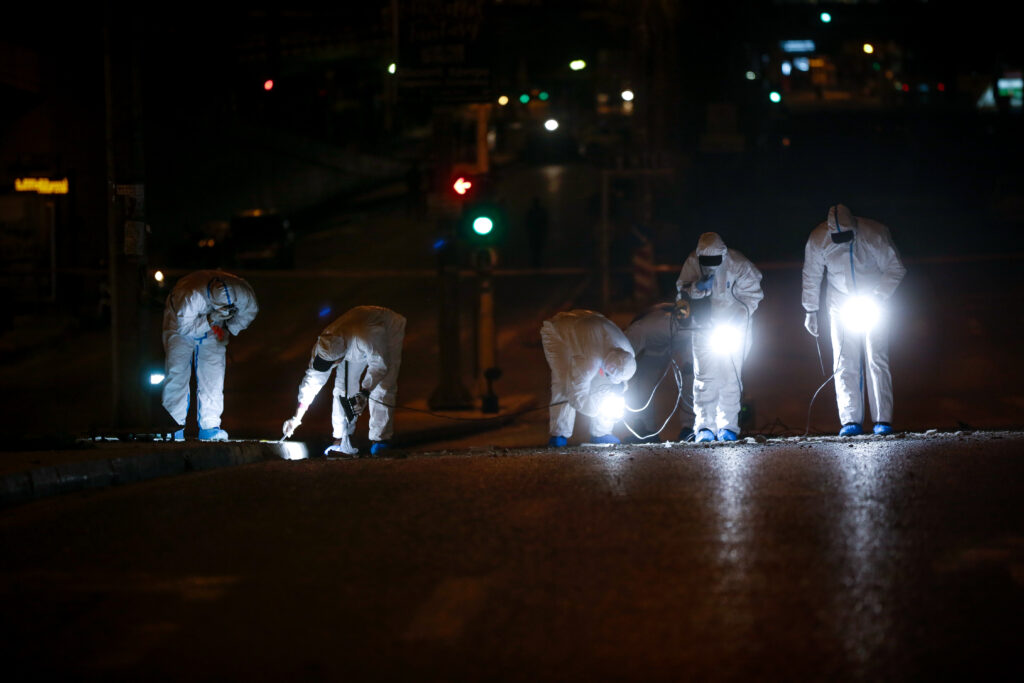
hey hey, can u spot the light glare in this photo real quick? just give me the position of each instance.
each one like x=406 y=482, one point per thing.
x=627 y=95
x=726 y=339
x=503 y=100
x=577 y=65
x=156 y=378
x=868 y=48
x=774 y=96
x=158 y=276
x=294 y=450
x=551 y=124
x=613 y=406
x=392 y=68
x=861 y=314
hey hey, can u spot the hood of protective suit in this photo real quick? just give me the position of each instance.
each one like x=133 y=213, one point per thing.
x=710 y=244
x=619 y=365
x=840 y=219
x=222 y=295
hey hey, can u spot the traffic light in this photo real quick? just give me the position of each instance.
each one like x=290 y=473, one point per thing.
x=482 y=224
x=462 y=186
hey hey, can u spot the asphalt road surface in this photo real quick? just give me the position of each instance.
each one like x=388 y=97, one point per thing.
x=865 y=559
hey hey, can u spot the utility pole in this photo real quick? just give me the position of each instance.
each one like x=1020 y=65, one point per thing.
x=126 y=222
x=450 y=393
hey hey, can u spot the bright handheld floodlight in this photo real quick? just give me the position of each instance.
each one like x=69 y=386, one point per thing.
x=613 y=406
x=860 y=314
x=726 y=339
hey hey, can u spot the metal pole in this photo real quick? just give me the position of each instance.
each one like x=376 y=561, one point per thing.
x=604 y=245
x=487 y=338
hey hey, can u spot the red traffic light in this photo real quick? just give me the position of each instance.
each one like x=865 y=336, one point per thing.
x=461 y=186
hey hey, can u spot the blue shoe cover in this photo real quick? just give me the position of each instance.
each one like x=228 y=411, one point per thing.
x=179 y=435
x=213 y=434
x=607 y=438
x=378 y=446
x=851 y=429
x=726 y=435
x=705 y=435
x=883 y=428
x=557 y=442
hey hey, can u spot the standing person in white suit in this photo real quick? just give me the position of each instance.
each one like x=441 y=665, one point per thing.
x=365 y=339
x=591 y=360
x=203 y=310
x=733 y=285
x=862 y=269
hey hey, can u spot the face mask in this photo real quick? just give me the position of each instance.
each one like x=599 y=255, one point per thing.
x=841 y=237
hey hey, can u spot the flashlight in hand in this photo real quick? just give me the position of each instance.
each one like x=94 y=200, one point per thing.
x=612 y=406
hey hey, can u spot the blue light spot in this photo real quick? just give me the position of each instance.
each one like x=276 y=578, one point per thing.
x=325 y=311
x=440 y=244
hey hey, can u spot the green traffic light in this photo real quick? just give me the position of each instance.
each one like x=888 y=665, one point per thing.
x=482 y=225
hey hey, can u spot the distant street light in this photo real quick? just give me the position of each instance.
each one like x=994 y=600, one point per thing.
x=774 y=96
x=825 y=17
x=524 y=98
x=627 y=95
x=503 y=100
x=751 y=76
x=392 y=68
x=551 y=124
x=868 y=48
x=268 y=85
x=577 y=65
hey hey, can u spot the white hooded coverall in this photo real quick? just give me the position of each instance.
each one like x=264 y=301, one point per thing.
x=189 y=341
x=735 y=294
x=587 y=353
x=869 y=264
x=365 y=338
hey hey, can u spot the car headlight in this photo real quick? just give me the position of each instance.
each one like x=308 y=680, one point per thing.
x=860 y=313
x=726 y=339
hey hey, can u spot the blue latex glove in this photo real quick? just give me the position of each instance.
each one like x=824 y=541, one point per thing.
x=705 y=284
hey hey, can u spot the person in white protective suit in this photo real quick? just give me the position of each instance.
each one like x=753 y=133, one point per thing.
x=733 y=285
x=203 y=310
x=365 y=339
x=658 y=339
x=862 y=269
x=591 y=361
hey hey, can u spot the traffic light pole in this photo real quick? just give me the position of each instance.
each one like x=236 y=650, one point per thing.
x=450 y=393
x=486 y=338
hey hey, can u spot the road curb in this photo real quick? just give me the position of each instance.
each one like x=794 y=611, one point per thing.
x=168 y=459
x=53 y=480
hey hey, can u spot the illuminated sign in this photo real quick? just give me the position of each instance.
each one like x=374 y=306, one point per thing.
x=41 y=185
x=1008 y=86
x=798 y=46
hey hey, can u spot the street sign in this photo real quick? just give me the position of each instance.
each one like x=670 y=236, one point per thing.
x=442 y=51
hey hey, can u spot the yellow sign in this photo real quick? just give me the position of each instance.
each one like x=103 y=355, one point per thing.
x=41 y=185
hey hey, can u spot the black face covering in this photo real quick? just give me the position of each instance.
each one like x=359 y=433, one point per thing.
x=715 y=260
x=841 y=237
